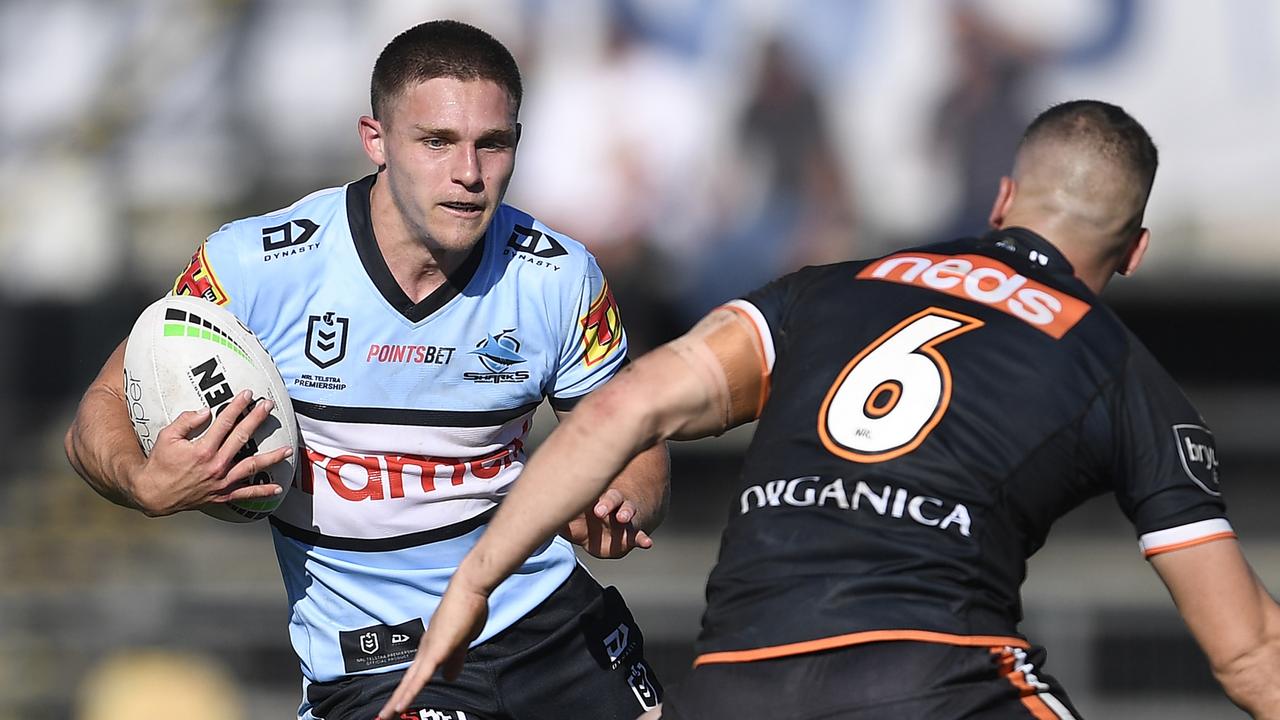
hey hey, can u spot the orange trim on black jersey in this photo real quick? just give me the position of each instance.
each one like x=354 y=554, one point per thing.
x=1028 y=695
x=1038 y=708
x=1226 y=535
x=858 y=638
x=1031 y=700
x=761 y=355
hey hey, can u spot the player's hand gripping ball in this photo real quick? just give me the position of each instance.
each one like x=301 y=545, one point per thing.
x=186 y=353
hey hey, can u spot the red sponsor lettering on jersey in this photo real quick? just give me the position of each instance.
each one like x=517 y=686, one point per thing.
x=198 y=280
x=984 y=280
x=601 y=327
x=355 y=477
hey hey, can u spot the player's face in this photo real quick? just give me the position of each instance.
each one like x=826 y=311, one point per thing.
x=449 y=149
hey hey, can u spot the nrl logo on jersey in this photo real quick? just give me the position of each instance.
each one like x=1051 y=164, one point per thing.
x=642 y=685
x=498 y=354
x=534 y=247
x=326 y=339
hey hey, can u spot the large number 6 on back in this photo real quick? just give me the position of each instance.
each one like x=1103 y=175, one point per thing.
x=890 y=397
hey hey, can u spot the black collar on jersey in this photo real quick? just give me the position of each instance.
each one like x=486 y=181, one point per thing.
x=360 y=219
x=1032 y=248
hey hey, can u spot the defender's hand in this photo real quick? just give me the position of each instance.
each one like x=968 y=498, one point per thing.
x=459 y=620
x=607 y=530
x=183 y=474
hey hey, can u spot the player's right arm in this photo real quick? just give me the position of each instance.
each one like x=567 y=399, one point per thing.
x=1232 y=616
x=181 y=473
x=1165 y=455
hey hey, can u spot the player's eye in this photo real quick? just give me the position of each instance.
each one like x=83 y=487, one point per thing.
x=496 y=143
x=435 y=143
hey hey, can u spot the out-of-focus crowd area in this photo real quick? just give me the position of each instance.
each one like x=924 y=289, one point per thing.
x=699 y=148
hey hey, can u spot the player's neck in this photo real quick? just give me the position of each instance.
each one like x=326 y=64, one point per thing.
x=417 y=267
x=1076 y=248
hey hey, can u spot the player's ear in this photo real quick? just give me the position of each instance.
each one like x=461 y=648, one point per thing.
x=372 y=137
x=1004 y=201
x=1133 y=256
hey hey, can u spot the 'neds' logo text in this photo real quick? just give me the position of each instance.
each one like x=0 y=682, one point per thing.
x=984 y=280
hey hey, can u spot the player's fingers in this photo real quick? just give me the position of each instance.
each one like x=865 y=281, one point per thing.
x=618 y=539
x=187 y=422
x=642 y=540
x=242 y=431
x=594 y=543
x=227 y=419
x=625 y=512
x=576 y=531
x=252 y=492
x=608 y=503
x=252 y=465
x=412 y=682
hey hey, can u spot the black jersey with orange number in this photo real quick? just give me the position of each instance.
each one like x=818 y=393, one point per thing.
x=931 y=413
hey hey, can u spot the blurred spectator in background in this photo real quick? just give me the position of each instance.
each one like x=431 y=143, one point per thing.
x=982 y=115
x=791 y=202
x=979 y=118
x=618 y=154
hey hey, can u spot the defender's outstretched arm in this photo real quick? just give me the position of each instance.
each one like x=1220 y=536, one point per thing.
x=698 y=385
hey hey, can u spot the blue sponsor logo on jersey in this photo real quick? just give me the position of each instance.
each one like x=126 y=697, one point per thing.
x=498 y=353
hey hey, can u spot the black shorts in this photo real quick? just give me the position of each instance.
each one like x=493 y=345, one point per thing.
x=579 y=654
x=901 y=680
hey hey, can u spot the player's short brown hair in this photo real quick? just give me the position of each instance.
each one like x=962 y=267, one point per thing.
x=441 y=48
x=1105 y=128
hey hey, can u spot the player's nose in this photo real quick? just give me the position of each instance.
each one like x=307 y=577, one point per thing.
x=466 y=167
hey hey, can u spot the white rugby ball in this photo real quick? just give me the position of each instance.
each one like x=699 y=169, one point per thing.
x=186 y=353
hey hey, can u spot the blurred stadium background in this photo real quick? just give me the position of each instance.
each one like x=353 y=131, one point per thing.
x=699 y=147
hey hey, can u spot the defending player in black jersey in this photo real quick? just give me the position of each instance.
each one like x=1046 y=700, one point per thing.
x=924 y=418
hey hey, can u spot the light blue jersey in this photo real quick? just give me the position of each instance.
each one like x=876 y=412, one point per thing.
x=413 y=416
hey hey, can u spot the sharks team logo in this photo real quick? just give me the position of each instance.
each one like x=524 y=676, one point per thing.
x=499 y=353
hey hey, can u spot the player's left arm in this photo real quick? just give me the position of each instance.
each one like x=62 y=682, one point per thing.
x=631 y=508
x=1233 y=618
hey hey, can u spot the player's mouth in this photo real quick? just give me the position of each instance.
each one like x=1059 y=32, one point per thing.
x=463 y=209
